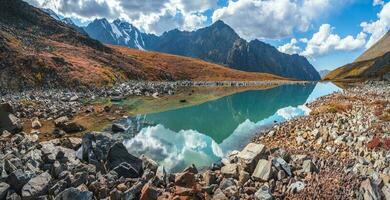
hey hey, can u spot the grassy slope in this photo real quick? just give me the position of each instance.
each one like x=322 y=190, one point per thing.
x=184 y=68
x=378 y=49
x=373 y=63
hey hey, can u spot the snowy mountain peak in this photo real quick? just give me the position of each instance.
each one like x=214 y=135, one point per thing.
x=118 y=33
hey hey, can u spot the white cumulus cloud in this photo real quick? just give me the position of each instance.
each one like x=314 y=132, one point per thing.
x=271 y=18
x=378 y=2
x=152 y=16
x=291 y=47
x=377 y=29
x=325 y=41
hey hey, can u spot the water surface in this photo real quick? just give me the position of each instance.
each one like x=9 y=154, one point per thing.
x=204 y=133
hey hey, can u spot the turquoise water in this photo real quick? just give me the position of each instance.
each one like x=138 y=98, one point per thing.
x=203 y=134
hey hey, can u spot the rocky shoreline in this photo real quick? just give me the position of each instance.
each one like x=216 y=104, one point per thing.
x=339 y=151
x=48 y=103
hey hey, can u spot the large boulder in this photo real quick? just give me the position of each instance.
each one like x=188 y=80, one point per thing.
x=250 y=155
x=94 y=148
x=74 y=194
x=37 y=186
x=118 y=154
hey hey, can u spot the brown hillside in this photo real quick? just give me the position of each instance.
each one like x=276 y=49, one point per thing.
x=184 y=68
x=378 y=49
x=37 y=50
x=372 y=64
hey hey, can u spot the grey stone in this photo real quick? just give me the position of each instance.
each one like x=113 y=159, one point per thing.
x=280 y=163
x=308 y=166
x=263 y=194
x=74 y=194
x=118 y=154
x=116 y=128
x=59 y=122
x=36 y=186
x=3 y=190
x=369 y=190
x=209 y=178
x=227 y=182
x=296 y=187
x=250 y=155
x=149 y=163
x=219 y=195
x=18 y=178
x=229 y=170
x=243 y=177
x=36 y=124
x=263 y=170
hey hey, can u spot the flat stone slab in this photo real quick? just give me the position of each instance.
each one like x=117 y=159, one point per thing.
x=250 y=155
x=263 y=170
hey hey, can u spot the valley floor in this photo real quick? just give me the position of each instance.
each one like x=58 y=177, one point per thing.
x=339 y=151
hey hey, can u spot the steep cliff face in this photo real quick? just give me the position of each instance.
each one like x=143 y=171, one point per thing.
x=117 y=33
x=218 y=43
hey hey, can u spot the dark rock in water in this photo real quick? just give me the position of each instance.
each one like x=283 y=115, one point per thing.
x=118 y=128
x=74 y=194
x=18 y=178
x=72 y=127
x=3 y=190
x=37 y=186
x=118 y=154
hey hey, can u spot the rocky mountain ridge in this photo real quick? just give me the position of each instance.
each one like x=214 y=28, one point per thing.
x=218 y=43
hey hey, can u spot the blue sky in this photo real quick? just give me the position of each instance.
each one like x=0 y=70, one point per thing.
x=330 y=33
